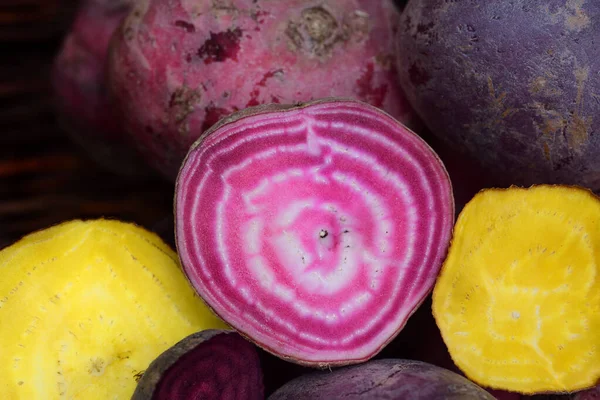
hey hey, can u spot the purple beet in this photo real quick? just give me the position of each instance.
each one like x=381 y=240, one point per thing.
x=211 y=364
x=382 y=379
x=316 y=230
x=590 y=394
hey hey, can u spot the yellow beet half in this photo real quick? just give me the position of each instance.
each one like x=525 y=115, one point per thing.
x=518 y=297
x=86 y=306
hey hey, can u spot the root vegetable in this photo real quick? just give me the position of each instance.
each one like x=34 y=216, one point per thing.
x=211 y=364
x=382 y=379
x=86 y=306
x=518 y=297
x=316 y=230
x=421 y=340
x=513 y=83
x=591 y=394
x=78 y=80
x=178 y=66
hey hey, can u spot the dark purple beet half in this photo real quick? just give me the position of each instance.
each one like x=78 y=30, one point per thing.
x=211 y=364
x=383 y=379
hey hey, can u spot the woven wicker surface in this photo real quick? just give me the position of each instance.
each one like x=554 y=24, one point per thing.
x=44 y=178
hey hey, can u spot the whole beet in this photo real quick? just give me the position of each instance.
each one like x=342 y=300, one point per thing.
x=513 y=83
x=381 y=380
x=78 y=81
x=178 y=66
x=590 y=394
x=208 y=364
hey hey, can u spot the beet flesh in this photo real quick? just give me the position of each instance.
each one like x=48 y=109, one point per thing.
x=383 y=379
x=211 y=364
x=513 y=83
x=79 y=85
x=178 y=66
x=315 y=230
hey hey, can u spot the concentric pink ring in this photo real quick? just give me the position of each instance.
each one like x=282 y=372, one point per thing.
x=314 y=231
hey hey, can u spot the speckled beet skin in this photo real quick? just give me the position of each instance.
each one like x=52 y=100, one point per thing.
x=79 y=85
x=386 y=379
x=178 y=66
x=516 y=83
x=590 y=394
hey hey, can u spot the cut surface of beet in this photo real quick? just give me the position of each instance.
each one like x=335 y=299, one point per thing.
x=315 y=230
x=211 y=364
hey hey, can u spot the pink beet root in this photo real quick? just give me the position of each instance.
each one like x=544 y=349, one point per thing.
x=178 y=66
x=315 y=230
x=211 y=364
x=78 y=79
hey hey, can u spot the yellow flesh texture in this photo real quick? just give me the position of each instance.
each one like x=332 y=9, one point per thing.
x=518 y=297
x=85 y=306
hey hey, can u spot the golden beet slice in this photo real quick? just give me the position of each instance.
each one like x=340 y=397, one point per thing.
x=518 y=297
x=86 y=306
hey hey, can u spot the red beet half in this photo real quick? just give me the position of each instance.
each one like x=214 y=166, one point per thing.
x=178 y=66
x=315 y=230
x=211 y=364
x=383 y=380
x=84 y=109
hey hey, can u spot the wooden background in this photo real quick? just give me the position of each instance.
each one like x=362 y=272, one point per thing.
x=44 y=178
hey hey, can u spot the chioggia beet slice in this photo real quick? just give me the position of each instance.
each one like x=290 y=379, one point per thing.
x=316 y=230
x=210 y=364
x=518 y=298
x=382 y=380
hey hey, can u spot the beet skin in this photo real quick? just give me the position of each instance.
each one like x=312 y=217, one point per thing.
x=513 y=83
x=314 y=229
x=78 y=79
x=382 y=379
x=590 y=394
x=178 y=66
